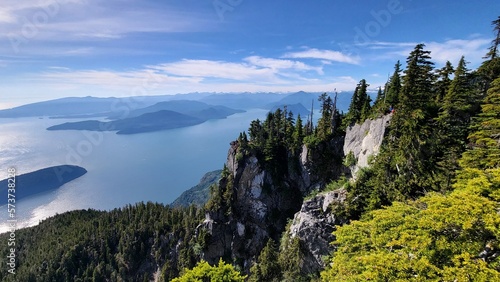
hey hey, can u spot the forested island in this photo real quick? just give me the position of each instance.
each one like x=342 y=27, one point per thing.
x=42 y=180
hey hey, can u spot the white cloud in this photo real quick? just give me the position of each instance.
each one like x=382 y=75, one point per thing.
x=67 y=20
x=450 y=50
x=277 y=64
x=328 y=55
x=216 y=69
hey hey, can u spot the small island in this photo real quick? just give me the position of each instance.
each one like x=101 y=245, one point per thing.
x=43 y=180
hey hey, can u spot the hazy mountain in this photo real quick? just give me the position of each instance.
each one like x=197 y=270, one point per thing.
x=294 y=108
x=243 y=100
x=306 y=99
x=148 y=122
x=192 y=108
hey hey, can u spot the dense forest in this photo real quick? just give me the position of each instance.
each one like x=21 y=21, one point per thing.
x=426 y=208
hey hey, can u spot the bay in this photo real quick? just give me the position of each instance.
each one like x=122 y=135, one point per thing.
x=122 y=169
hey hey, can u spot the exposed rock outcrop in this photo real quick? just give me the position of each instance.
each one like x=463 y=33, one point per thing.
x=364 y=140
x=314 y=224
x=261 y=202
x=260 y=208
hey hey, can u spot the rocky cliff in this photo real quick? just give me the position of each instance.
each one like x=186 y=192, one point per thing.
x=260 y=208
x=316 y=220
x=261 y=203
x=313 y=225
x=364 y=140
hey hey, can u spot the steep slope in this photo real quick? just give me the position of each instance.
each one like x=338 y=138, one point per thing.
x=199 y=194
x=364 y=140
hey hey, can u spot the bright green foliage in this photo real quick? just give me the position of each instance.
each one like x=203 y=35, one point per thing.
x=436 y=238
x=485 y=138
x=205 y=272
x=481 y=163
x=267 y=267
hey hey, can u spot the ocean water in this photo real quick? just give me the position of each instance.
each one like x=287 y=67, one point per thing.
x=122 y=169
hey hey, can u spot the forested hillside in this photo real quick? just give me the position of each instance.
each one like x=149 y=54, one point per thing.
x=426 y=207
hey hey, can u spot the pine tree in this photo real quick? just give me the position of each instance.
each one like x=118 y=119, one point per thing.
x=359 y=108
x=324 y=128
x=298 y=134
x=443 y=84
x=404 y=167
x=393 y=87
x=484 y=152
x=267 y=267
x=453 y=121
x=490 y=69
x=352 y=113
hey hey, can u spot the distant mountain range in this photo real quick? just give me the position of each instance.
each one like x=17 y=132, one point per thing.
x=160 y=116
x=152 y=113
x=88 y=107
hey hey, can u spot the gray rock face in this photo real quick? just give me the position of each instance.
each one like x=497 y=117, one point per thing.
x=364 y=140
x=260 y=209
x=314 y=225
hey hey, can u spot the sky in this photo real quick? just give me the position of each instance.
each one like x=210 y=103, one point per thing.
x=72 y=48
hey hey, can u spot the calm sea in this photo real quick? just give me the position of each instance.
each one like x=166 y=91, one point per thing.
x=122 y=169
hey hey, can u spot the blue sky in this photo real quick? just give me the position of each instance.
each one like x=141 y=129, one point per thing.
x=60 y=48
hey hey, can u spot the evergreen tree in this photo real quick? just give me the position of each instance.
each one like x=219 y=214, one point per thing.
x=352 y=113
x=444 y=81
x=453 y=121
x=324 y=128
x=484 y=140
x=359 y=108
x=298 y=134
x=393 y=88
x=490 y=69
x=410 y=130
x=267 y=267
x=290 y=259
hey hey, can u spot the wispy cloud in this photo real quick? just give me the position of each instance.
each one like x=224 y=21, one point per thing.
x=80 y=21
x=450 y=50
x=328 y=55
x=277 y=64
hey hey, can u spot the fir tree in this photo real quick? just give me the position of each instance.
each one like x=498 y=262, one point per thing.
x=324 y=128
x=393 y=87
x=444 y=81
x=453 y=121
x=267 y=267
